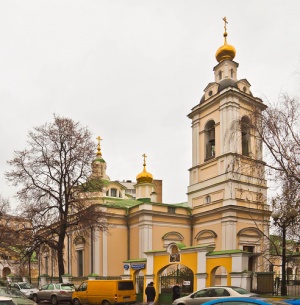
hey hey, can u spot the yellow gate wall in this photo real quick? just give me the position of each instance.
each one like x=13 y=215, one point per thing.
x=160 y=262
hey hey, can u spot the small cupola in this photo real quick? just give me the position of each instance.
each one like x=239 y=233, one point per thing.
x=99 y=165
x=226 y=51
x=144 y=176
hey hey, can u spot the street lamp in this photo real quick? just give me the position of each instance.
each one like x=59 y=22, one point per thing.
x=283 y=220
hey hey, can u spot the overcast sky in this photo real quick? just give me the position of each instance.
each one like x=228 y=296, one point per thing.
x=131 y=70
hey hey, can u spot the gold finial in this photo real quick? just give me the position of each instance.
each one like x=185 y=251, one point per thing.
x=99 y=154
x=145 y=156
x=144 y=176
x=225 y=28
x=225 y=52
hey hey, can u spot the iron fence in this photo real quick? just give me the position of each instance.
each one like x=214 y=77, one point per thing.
x=293 y=285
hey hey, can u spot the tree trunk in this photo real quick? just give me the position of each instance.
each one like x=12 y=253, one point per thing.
x=60 y=256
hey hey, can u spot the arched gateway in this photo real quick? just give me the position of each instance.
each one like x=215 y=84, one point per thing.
x=203 y=266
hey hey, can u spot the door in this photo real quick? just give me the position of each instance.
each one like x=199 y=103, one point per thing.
x=82 y=293
x=46 y=292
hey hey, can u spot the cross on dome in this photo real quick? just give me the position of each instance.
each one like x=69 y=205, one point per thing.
x=226 y=51
x=99 y=154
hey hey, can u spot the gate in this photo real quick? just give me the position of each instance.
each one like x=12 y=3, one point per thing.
x=139 y=284
x=184 y=277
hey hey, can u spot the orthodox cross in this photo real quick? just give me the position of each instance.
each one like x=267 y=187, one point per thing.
x=225 y=33
x=145 y=156
x=98 y=146
x=225 y=21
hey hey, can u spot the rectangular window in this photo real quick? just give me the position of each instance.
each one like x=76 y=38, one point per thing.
x=171 y=210
x=125 y=285
x=79 y=262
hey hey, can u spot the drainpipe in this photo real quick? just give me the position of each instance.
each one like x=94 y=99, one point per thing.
x=128 y=234
x=191 y=227
x=68 y=239
x=92 y=250
x=39 y=265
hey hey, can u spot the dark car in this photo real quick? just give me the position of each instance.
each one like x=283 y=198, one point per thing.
x=55 y=293
x=210 y=293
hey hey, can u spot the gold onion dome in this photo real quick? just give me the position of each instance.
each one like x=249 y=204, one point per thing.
x=144 y=176
x=226 y=51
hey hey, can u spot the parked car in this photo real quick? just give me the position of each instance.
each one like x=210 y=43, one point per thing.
x=210 y=293
x=55 y=293
x=16 y=295
x=6 y=301
x=105 y=292
x=243 y=301
x=24 y=287
x=292 y=301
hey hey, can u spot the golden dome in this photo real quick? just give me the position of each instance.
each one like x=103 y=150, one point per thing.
x=144 y=176
x=226 y=51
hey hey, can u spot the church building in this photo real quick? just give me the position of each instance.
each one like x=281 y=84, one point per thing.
x=219 y=235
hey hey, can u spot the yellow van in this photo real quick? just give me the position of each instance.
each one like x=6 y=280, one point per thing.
x=104 y=292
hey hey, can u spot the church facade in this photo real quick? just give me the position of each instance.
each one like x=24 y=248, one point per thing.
x=220 y=233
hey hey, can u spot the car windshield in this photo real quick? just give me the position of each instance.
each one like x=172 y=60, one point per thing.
x=240 y=290
x=25 y=286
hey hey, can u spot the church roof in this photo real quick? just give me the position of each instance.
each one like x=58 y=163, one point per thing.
x=128 y=203
x=227 y=82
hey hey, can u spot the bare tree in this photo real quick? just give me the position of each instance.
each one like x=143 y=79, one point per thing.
x=4 y=224
x=50 y=174
x=280 y=134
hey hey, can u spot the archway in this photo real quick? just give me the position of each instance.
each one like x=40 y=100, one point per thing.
x=218 y=276
x=5 y=272
x=171 y=275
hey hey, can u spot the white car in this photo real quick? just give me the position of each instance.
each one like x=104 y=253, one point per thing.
x=212 y=293
x=24 y=287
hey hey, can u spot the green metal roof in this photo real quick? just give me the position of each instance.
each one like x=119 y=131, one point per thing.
x=226 y=252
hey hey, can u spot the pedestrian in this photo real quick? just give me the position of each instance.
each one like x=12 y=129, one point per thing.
x=150 y=293
x=176 y=291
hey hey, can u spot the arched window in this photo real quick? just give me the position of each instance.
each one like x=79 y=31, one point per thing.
x=174 y=253
x=210 y=140
x=113 y=192
x=245 y=130
x=206 y=238
x=172 y=237
x=220 y=75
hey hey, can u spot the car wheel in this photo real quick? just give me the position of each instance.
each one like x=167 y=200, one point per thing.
x=76 y=302
x=105 y=303
x=35 y=298
x=54 y=300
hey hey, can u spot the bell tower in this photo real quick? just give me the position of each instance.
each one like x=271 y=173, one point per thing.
x=227 y=188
